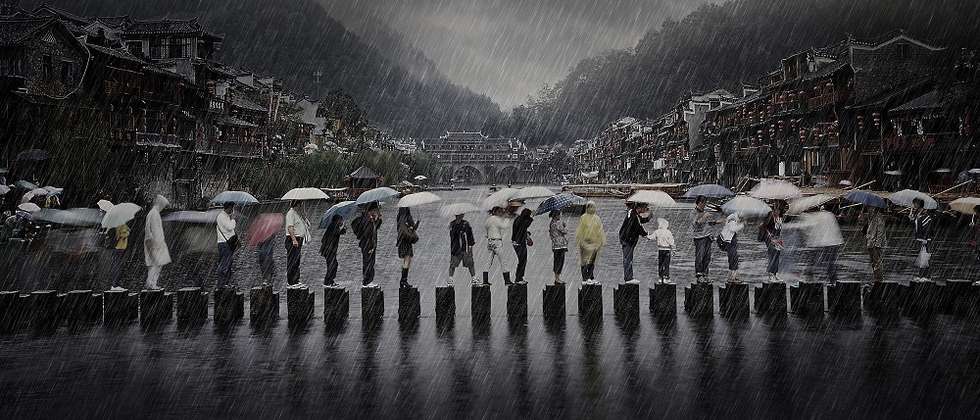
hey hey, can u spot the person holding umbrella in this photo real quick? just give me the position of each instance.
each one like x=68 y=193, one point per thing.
x=702 y=238
x=771 y=233
x=328 y=248
x=119 y=255
x=365 y=228
x=559 y=243
x=521 y=239
x=590 y=238
x=875 y=240
x=407 y=237
x=728 y=242
x=297 y=230
x=461 y=243
x=497 y=225
x=262 y=235
x=227 y=243
x=922 y=232
x=629 y=234
x=156 y=254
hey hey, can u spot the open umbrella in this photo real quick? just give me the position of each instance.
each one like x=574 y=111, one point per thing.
x=559 y=202
x=499 y=198
x=53 y=190
x=263 y=227
x=25 y=185
x=192 y=217
x=894 y=172
x=421 y=178
x=746 y=206
x=343 y=208
x=528 y=193
x=33 y=155
x=377 y=194
x=28 y=207
x=866 y=198
x=30 y=195
x=308 y=193
x=905 y=198
x=774 y=189
x=80 y=217
x=241 y=198
x=965 y=205
x=652 y=197
x=4 y=189
x=120 y=214
x=418 y=199
x=709 y=190
x=801 y=205
x=104 y=205
x=458 y=208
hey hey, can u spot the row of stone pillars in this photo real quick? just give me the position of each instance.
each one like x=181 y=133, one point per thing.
x=47 y=309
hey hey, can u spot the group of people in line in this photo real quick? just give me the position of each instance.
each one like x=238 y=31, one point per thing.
x=819 y=226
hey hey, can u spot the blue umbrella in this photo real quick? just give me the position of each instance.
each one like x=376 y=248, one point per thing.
x=377 y=194
x=343 y=208
x=238 y=197
x=709 y=190
x=558 y=202
x=866 y=198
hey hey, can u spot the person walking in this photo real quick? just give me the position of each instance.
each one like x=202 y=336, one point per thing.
x=328 y=248
x=559 y=243
x=771 y=233
x=155 y=252
x=728 y=241
x=365 y=228
x=665 y=247
x=701 y=232
x=461 y=243
x=267 y=263
x=521 y=239
x=922 y=233
x=875 y=241
x=407 y=237
x=227 y=243
x=590 y=238
x=118 y=253
x=497 y=225
x=821 y=231
x=297 y=230
x=629 y=234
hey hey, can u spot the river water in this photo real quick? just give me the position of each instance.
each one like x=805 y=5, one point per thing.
x=869 y=367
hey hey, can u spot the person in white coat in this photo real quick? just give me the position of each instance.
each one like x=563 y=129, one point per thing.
x=665 y=246
x=155 y=252
x=498 y=227
x=821 y=231
x=227 y=243
x=729 y=244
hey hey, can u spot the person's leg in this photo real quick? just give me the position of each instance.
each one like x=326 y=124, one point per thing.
x=454 y=261
x=331 y=275
x=469 y=263
x=291 y=262
x=699 y=257
x=521 y=261
x=365 y=266
x=667 y=256
x=224 y=264
x=118 y=260
x=153 y=276
x=924 y=270
x=773 y=266
x=831 y=261
x=372 y=260
x=406 y=265
x=627 y=261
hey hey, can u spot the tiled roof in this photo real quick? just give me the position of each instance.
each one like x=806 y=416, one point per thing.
x=163 y=26
x=930 y=100
x=232 y=121
x=15 y=31
x=118 y=53
x=244 y=103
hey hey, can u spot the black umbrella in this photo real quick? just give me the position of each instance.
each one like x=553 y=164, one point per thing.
x=33 y=155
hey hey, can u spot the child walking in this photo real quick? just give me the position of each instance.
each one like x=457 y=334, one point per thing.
x=665 y=245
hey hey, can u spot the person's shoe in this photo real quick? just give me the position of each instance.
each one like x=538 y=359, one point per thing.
x=634 y=281
x=477 y=282
x=507 y=279
x=486 y=278
x=117 y=289
x=977 y=283
x=372 y=284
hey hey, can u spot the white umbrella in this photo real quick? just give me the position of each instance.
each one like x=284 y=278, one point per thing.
x=458 y=208
x=308 y=193
x=965 y=205
x=905 y=198
x=377 y=194
x=29 y=207
x=421 y=178
x=499 y=198
x=418 y=199
x=28 y=196
x=4 y=189
x=746 y=206
x=120 y=214
x=528 y=193
x=774 y=189
x=105 y=205
x=801 y=205
x=652 y=197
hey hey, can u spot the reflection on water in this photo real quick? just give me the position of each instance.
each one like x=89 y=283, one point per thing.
x=674 y=367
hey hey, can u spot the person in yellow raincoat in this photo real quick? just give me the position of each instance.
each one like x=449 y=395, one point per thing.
x=590 y=238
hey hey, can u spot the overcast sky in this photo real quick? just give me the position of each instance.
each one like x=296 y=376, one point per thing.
x=508 y=49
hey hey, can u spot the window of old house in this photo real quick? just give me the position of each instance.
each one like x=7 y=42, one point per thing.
x=47 y=67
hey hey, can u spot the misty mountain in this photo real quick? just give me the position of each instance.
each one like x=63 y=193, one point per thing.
x=723 y=46
x=399 y=88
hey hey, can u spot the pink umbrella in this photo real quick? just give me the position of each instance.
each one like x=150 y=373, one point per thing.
x=264 y=227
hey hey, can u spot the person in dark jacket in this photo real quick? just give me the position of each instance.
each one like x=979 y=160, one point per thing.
x=521 y=239
x=922 y=233
x=365 y=228
x=407 y=238
x=329 y=245
x=772 y=236
x=629 y=234
x=461 y=243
